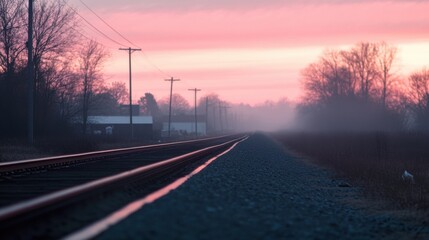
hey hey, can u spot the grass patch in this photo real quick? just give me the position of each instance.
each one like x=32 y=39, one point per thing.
x=374 y=160
x=17 y=149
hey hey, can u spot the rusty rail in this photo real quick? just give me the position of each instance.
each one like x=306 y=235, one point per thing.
x=146 y=172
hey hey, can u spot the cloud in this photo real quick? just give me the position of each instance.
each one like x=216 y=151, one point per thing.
x=191 y=5
x=276 y=28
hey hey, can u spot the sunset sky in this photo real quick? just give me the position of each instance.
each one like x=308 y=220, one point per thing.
x=246 y=50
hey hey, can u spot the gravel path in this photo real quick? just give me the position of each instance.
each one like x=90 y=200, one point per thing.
x=259 y=191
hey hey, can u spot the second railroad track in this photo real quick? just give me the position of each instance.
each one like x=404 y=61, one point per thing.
x=50 y=197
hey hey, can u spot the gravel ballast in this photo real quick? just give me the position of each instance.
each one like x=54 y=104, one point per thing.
x=260 y=191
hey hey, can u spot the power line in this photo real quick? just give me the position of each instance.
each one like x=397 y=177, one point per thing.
x=130 y=51
x=94 y=27
x=113 y=29
x=195 y=90
x=89 y=38
x=154 y=65
x=171 y=80
x=126 y=39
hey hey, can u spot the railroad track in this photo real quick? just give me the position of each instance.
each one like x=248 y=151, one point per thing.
x=37 y=195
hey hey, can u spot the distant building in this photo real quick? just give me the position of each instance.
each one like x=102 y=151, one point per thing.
x=184 y=125
x=119 y=126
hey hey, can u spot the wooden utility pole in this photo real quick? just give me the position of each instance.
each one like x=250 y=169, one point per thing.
x=171 y=80
x=207 y=115
x=130 y=51
x=195 y=90
x=225 y=116
x=30 y=71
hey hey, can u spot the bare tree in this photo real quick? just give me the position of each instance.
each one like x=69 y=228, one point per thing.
x=179 y=105
x=342 y=89
x=328 y=80
x=54 y=36
x=119 y=92
x=67 y=94
x=419 y=95
x=12 y=32
x=385 y=59
x=91 y=58
x=54 y=31
x=149 y=106
x=55 y=39
x=362 y=61
x=209 y=105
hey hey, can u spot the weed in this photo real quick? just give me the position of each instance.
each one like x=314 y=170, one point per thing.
x=375 y=160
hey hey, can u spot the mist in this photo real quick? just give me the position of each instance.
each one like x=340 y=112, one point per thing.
x=361 y=90
x=269 y=116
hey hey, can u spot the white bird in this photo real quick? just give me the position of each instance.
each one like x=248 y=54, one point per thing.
x=406 y=176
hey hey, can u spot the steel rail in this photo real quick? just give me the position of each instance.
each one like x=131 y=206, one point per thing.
x=23 y=165
x=146 y=172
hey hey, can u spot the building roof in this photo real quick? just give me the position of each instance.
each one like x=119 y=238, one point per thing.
x=119 y=119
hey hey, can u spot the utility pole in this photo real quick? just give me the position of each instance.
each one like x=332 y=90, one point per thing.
x=220 y=117
x=214 y=125
x=226 y=117
x=223 y=107
x=195 y=106
x=171 y=80
x=207 y=115
x=130 y=51
x=30 y=71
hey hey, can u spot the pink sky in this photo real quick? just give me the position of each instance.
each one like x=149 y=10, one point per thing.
x=247 y=52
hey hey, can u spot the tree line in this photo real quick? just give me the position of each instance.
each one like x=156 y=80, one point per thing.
x=210 y=108
x=360 y=89
x=68 y=75
x=68 y=78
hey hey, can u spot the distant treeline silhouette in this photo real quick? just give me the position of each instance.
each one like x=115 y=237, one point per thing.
x=68 y=81
x=360 y=90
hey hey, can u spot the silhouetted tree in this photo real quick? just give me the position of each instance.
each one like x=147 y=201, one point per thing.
x=180 y=106
x=350 y=89
x=103 y=103
x=362 y=61
x=208 y=105
x=119 y=92
x=55 y=38
x=91 y=58
x=12 y=83
x=12 y=32
x=419 y=96
x=328 y=80
x=385 y=58
x=67 y=90
x=149 y=106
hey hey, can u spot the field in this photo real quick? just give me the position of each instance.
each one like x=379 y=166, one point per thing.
x=375 y=161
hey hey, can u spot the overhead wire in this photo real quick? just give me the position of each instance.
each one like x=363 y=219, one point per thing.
x=126 y=39
x=163 y=73
x=95 y=28
x=83 y=33
x=107 y=24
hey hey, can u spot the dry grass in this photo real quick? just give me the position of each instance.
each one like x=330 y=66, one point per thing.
x=13 y=149
x=13 y=152
x=375 y=160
